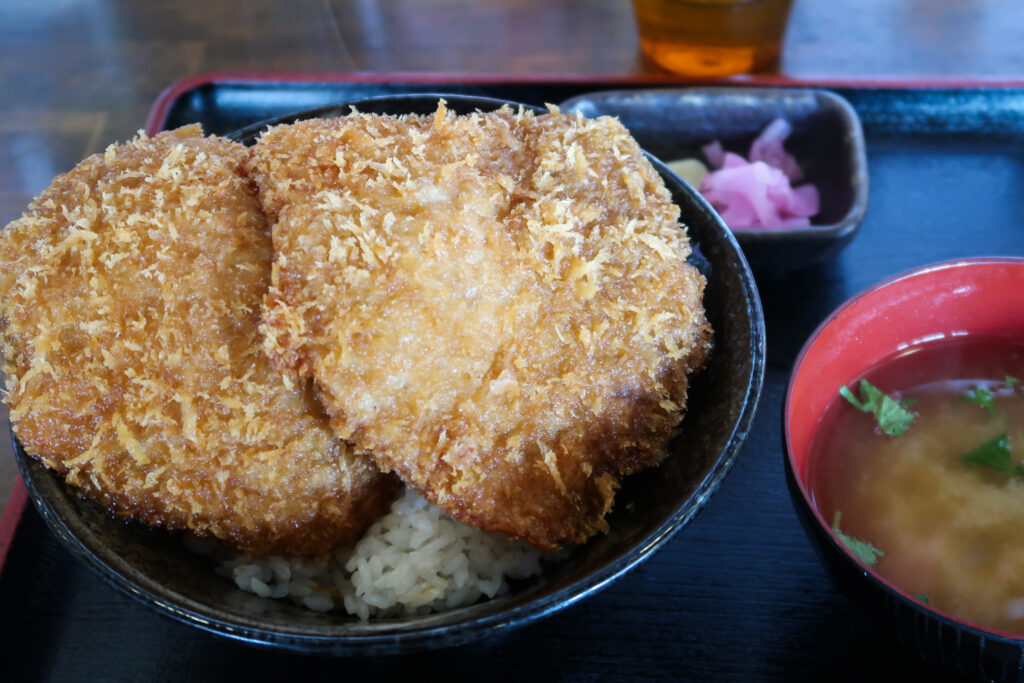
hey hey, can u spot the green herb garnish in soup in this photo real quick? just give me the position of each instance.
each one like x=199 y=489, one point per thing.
x=982 y=397
x=945 y=500
x=862 y=550
x=995 y=454
x=891 y=414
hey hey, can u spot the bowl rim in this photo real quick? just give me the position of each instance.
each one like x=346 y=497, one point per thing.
x=446 y=628
x=806 y=500
x=342 y=107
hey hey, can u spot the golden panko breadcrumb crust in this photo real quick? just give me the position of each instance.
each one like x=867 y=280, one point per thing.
x=496 y=306
x=130 y=297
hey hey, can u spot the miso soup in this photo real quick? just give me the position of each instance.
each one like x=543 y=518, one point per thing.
x=943 y=502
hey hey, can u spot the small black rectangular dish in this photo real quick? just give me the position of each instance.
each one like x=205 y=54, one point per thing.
x=826 y=141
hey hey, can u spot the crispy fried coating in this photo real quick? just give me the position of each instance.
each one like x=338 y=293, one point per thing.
x=497 y=306
x=130 y=296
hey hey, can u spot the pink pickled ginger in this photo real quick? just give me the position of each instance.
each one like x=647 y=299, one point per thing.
x=768 y=148
x=758 y=193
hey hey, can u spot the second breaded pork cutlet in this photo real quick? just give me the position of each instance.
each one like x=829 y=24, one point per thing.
x=497 y=306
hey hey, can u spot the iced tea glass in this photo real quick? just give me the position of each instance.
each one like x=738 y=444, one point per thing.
x=712 y=37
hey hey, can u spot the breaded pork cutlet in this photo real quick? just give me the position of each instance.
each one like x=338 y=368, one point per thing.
x=497 y=306
x=130 y=297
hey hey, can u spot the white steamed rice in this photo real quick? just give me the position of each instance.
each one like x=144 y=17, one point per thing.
x=414 y=560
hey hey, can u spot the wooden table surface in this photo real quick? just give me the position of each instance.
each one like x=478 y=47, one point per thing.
x=76 y=76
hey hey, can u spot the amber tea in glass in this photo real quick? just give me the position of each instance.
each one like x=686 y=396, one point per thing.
x=712 y=37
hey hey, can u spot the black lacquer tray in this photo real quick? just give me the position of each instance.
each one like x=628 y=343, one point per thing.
x=740 y=595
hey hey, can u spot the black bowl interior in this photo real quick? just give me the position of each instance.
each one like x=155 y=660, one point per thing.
x=156 y=568
x=826 y=140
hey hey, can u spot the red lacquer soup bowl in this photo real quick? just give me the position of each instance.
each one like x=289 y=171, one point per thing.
x=982 y=297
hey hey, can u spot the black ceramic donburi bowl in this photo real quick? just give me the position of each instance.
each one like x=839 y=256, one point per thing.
x=651 y=507
x=827 y=142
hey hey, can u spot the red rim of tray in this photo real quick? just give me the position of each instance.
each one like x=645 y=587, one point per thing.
x=158 y=113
